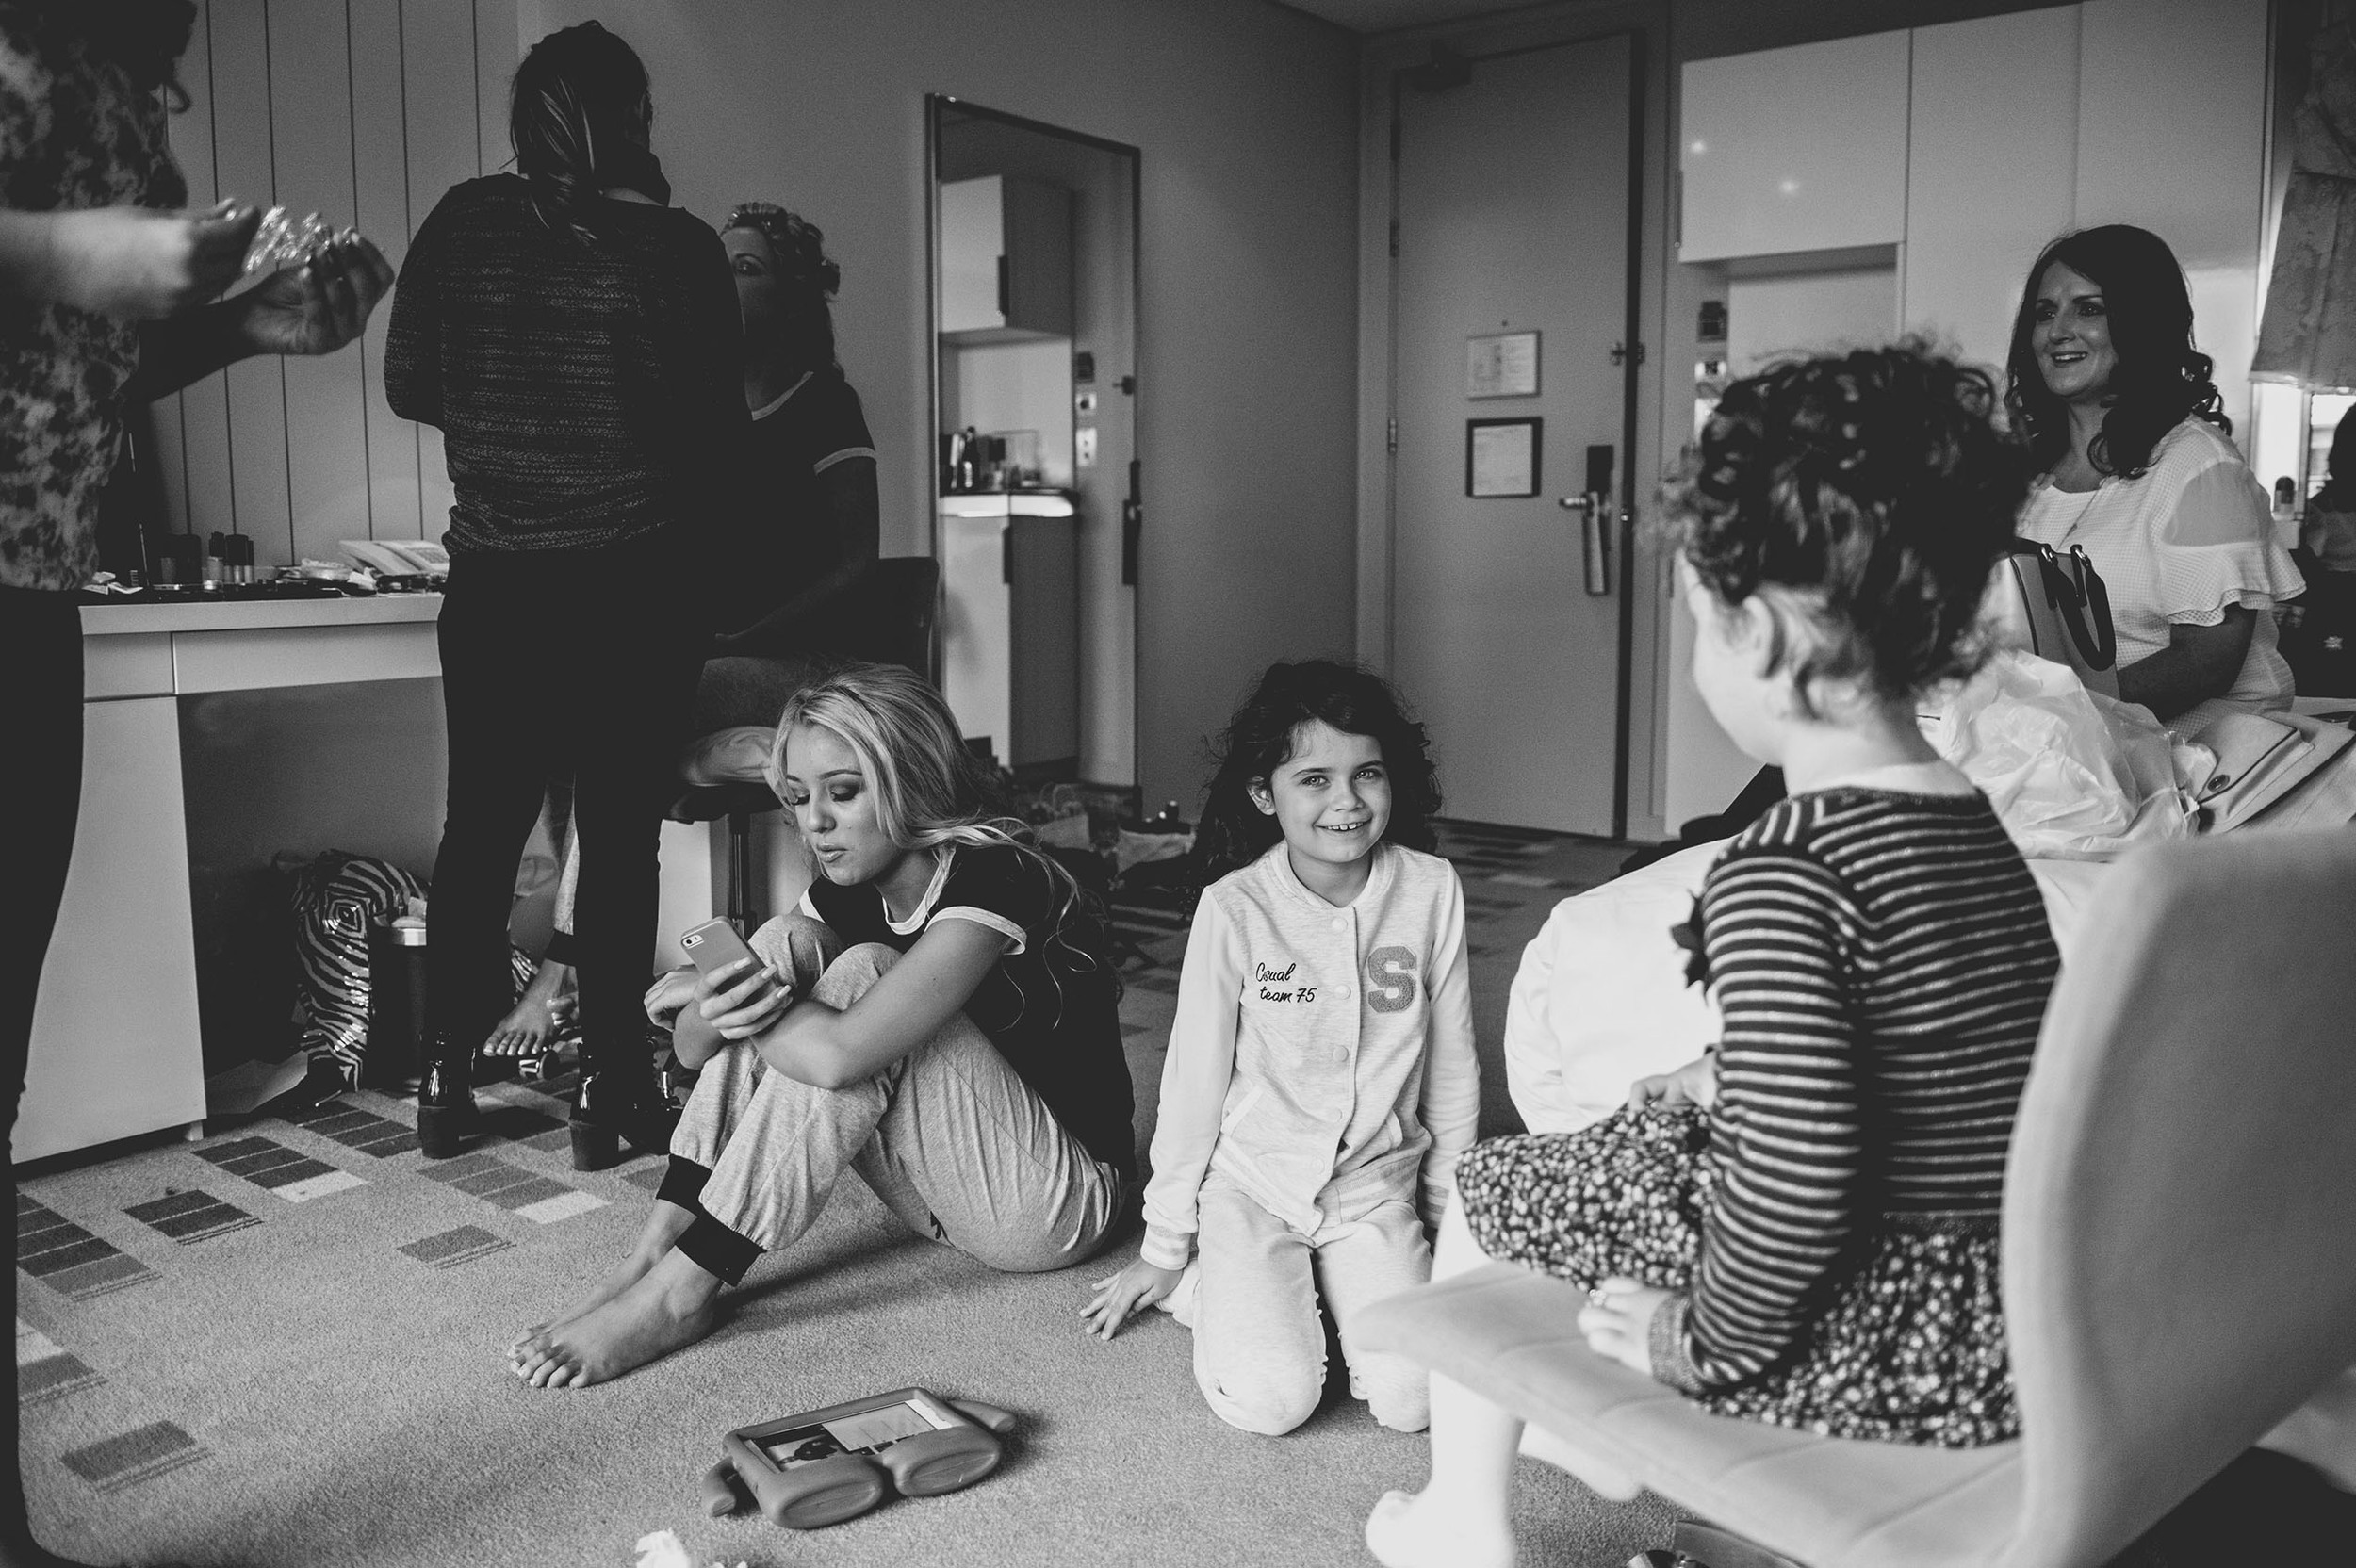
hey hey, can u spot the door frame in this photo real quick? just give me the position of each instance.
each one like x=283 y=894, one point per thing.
x=1132 y=512
x=1631 y=368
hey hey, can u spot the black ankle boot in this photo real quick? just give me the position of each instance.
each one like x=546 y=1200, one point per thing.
x=444 y=1100
x=616 y=1108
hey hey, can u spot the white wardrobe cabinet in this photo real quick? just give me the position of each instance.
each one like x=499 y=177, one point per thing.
x=1992 y=171
x=1799 y=149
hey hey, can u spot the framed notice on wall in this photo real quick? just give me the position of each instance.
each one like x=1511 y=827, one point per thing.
x=1500 y=457
x=1502 y=365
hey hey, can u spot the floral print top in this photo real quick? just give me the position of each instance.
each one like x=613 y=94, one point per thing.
x=74 y=133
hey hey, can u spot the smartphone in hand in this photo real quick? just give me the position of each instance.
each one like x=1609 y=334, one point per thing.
x=714 y=946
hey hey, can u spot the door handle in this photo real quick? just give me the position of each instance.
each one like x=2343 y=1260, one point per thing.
x=1596 y=522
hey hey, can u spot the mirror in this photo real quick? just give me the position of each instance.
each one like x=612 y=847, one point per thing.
x=1035 y=502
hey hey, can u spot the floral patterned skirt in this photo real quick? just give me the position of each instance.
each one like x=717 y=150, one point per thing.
x=1909 y=1348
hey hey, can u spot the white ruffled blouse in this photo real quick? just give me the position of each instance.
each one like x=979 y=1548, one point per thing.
x=2177 y=545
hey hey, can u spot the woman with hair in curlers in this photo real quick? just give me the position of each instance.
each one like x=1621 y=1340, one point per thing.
x=2117 y=404
x=938 y=1016
x=577 y=341
x=803 y=542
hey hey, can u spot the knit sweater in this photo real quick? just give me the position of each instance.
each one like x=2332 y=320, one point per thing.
x=588 y=393
x=1322 y=1057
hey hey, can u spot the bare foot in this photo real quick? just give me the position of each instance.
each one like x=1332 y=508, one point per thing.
x=531 y=1024
x=668 y=1310
x=1416 y=1531
x=665 y=1225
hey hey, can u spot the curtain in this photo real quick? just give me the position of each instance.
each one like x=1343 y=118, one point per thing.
x=2308 y=333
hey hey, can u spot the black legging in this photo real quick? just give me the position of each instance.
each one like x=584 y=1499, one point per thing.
x=41 y=794
x=581 y=661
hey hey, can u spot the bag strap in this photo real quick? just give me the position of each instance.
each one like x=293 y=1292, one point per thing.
x=2100 y=640
x=2077 y=593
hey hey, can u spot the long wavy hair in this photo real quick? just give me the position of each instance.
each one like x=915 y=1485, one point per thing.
x=1233 y=832
x=928 y=789
x=807 y=278
x=2162 y=376
x=580 y=116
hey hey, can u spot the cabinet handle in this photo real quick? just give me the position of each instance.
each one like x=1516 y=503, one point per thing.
x=1006 y=555
x=1002 y=291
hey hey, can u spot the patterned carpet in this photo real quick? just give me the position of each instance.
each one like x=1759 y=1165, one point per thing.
x=280 y=1344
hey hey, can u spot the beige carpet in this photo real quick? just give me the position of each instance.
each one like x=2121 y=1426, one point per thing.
x=281 y=1345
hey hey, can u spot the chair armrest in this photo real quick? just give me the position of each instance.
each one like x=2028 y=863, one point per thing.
x=1511 y=1336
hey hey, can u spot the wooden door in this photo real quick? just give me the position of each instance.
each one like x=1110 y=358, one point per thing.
x=1512 y=209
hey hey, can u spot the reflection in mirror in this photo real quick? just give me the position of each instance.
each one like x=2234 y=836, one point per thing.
x=1035 y=301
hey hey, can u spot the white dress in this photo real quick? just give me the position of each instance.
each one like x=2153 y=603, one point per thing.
x=2177 y=545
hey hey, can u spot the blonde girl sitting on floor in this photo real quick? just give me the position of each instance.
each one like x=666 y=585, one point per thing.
x=1800 y=1227
x=1320 y=1066
x=938 y=1016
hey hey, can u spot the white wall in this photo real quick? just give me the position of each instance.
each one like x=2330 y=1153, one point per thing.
x=363 y=114
x=1021 y=387
x=1245 y=115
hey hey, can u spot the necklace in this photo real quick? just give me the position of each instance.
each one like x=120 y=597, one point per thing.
x=2086 y=505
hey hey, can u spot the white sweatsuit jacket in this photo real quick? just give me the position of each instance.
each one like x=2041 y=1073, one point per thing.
x=1322 y=1059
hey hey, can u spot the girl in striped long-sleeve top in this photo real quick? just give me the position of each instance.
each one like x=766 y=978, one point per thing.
x=1801 y=1227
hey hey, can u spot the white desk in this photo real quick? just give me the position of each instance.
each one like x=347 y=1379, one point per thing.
x=116 y=1050
x=117 y=1044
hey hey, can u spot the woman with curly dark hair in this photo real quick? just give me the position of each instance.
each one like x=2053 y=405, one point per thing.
x=1321 y=1081
x=2116 y=403
x=1801 y=1226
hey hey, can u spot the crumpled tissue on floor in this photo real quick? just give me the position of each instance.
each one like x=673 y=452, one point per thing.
x=662 y=1549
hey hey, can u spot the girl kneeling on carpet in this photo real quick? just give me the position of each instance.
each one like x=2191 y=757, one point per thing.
x=938 y=1016
x=1801 y=1228
x=1320 y=1066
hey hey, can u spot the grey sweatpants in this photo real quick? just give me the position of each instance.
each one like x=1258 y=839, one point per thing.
x=1259 y=1346
x=949 y=1136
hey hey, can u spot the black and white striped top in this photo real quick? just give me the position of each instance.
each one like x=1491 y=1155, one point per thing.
x=1882 y=962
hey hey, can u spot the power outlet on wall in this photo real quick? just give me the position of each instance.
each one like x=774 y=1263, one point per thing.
x=1084 y=446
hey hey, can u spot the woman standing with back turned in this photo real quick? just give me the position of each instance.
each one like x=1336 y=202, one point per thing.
x=577 y=341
